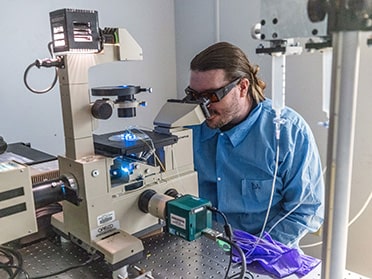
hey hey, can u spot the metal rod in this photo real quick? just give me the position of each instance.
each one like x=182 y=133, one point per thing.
x=345 y=73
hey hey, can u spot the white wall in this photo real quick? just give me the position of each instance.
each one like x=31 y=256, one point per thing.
x=25 y=32
x=196 y=29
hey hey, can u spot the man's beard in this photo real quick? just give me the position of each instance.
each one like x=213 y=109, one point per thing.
x=223 y=118
x=220 y=121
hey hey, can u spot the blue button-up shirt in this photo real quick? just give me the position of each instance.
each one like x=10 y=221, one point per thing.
x=236 y=173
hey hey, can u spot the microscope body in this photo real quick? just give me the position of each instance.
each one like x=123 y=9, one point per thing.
x=107 y=218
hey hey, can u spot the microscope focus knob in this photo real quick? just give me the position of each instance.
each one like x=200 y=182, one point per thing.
x=3 y=145
x=102 y=109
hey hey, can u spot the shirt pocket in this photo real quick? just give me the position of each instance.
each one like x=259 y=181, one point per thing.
x=256 y=193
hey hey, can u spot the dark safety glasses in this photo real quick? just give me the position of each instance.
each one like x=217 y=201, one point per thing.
x=214 y=95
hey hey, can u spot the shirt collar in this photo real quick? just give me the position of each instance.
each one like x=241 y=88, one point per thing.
x=237 y=133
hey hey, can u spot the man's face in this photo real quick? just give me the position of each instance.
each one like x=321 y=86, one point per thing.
x=232 y=108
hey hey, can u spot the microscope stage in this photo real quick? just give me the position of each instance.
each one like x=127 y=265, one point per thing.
x=118 y=143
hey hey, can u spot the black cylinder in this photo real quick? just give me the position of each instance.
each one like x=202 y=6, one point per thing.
x=101 y=109
x=144 y=199
x=48 y=192
x=126 y=112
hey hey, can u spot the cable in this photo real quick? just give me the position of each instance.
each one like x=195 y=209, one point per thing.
x=277 y=137
x=289 y=213
x=272 y=189
x=361 y=211
x=11 y=255
x=14 y=275
x=301 y=202
x=271 y=198
x=92 y=258
x=48 y=210
x=151 y=147
x=366 y=203
x=228 y=232
x=311 y=245
x=241 y=255
x=227 y=226
x=294 y=208
x=46 y=63
x=271 y=194
x=158 y=160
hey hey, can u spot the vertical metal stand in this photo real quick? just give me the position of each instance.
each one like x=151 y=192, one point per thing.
x=340 y=152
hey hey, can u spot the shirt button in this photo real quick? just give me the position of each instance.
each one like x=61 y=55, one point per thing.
x=221 y=134
x=219 y=179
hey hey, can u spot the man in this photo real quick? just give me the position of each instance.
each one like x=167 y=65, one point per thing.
x=235 y=151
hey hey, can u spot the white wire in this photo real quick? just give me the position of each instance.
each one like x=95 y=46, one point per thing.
x=272 y=189
x=311 y=245
x=271 y=199
x=152 y=146
x=277 y=135
x=293 y=209
x=361 y=211
x=289 y=212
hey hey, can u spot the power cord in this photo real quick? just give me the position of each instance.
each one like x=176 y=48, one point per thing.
x=228 y=232
x=12 y=264
x=56 y=62
x=216 y=236
x=92 y=258
x=241 y=255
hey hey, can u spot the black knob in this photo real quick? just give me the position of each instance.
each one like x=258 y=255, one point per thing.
x=172 y=193
x=101 y=109
x=3 y=145
x=316 y=10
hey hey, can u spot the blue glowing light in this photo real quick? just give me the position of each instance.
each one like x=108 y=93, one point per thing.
x=125 y=169
x=121 y=170
x=63 y=189
x=129 y=136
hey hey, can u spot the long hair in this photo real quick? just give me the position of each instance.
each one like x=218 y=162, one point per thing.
x=234 y=62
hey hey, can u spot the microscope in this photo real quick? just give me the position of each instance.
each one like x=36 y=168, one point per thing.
x=115 y=187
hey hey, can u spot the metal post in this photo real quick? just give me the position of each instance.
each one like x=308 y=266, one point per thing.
x=340 y=152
